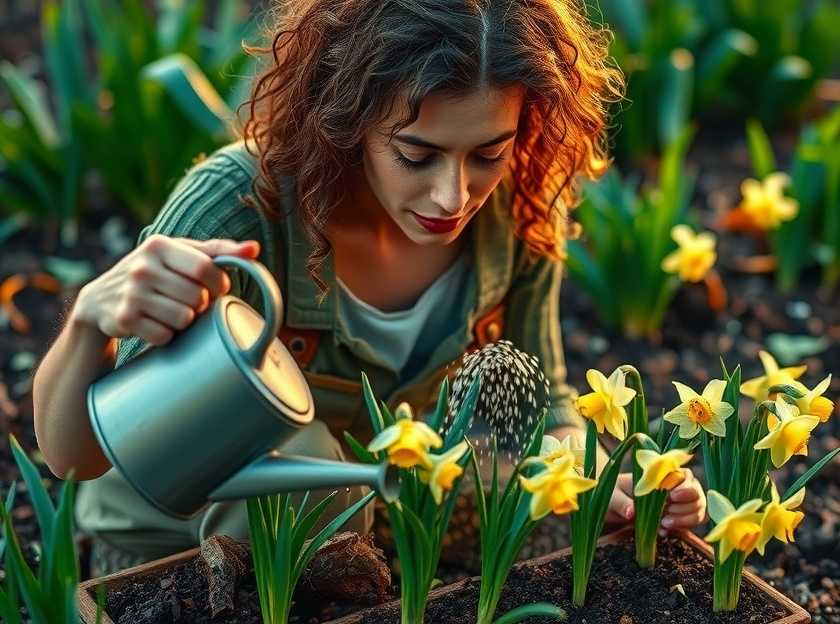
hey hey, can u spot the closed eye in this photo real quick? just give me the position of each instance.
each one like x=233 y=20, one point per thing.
x=420 y=164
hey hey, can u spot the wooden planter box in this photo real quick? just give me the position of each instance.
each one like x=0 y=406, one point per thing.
x=87 y=590
x=86 y=594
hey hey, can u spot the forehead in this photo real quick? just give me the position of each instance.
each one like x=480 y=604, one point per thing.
x=464 y=119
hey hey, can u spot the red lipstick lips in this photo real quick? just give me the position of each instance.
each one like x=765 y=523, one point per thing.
x=436 y=226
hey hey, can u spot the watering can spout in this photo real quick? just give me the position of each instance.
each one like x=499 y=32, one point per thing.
x=275 y=472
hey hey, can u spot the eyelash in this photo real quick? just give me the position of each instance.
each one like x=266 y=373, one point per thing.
x=407 y=163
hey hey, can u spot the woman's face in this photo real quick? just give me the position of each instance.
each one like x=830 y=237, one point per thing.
x=435 y=174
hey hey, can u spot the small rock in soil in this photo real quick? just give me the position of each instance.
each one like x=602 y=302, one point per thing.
x=223 y=560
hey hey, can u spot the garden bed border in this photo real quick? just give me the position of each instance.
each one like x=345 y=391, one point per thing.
x=87 y=589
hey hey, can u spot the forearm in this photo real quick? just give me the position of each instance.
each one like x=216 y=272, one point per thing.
x=80 y=354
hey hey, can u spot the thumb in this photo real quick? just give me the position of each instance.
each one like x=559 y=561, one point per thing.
x=226 y=247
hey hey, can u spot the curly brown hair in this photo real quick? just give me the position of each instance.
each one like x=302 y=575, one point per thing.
x=337 y=68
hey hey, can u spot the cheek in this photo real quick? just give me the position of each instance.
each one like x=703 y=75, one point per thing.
x=391 y=182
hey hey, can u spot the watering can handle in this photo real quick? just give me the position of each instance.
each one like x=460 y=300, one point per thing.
x=272 y=305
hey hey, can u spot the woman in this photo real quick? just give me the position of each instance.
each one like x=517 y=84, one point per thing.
x=402 y=172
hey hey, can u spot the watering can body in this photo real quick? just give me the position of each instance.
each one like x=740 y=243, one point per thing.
x=199 y=419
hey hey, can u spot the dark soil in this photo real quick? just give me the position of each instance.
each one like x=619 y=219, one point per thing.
x=180 y=596
x=618 y=592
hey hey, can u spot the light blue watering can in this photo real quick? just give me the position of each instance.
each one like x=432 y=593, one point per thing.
x=199 y=419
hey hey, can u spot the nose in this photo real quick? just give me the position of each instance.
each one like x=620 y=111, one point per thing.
x=451 y=190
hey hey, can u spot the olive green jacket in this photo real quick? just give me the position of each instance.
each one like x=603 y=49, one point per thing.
x=206 y=204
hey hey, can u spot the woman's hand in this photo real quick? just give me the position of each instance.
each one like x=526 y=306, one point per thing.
x=685 y=506
x=158 y=288
x=621 y=509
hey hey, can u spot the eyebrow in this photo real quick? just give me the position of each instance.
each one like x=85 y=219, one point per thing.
x=413 y=140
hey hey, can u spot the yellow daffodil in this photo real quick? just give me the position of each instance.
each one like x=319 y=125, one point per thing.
x=735 y=529
x=814 y=403
x=605 y=405
x=443 y=471
x=706 y=410
x=694 y=257
x=556 y=488
x=553 y=450
x=789 y=434
x=780 y=518
x=757 y=388
x=660 y=471
x=407 y=442
x=765 y=203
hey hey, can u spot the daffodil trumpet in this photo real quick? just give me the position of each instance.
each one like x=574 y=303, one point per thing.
x=431 y=470
x=507 y=518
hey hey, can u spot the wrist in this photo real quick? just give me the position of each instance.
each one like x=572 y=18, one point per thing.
x=83 y=324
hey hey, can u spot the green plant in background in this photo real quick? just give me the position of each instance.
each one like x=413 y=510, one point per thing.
x=42 y=154
x=802 y=229
x=796 y=46
x=674 y=64
x=148 y=106
x=49 y=595
x=627 y=239
x=166 y=92
x=428 y=484
x=745 y=511
x=685 y=59
x=505 y=522
x=280 y=548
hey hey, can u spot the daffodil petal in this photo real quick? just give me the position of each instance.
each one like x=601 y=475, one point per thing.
x=719 y=506
x=752 y=387
x=716 y=426
x=685 y=393
x=713 y=392
x=682 y=234
x=384 y=439
x=596 y=380
x=768 y=362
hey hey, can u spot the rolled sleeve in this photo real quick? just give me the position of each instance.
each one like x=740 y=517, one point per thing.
x=533 y=325
x=206 y=204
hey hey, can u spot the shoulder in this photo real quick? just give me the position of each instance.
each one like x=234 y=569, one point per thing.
x=209 y=202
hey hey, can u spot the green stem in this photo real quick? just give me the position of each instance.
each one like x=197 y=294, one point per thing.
x=646 y=548
x=727 y=582
x=581 y=568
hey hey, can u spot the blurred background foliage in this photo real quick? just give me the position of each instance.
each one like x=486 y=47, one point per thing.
x=128 y=94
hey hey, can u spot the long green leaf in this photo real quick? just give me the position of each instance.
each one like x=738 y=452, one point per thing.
x=44 y=510
x=32 y=104
x=802 y=481
x=190 y=89
x=372 y=406
x=761 y=151
x=539 y=609
x=465 y=413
